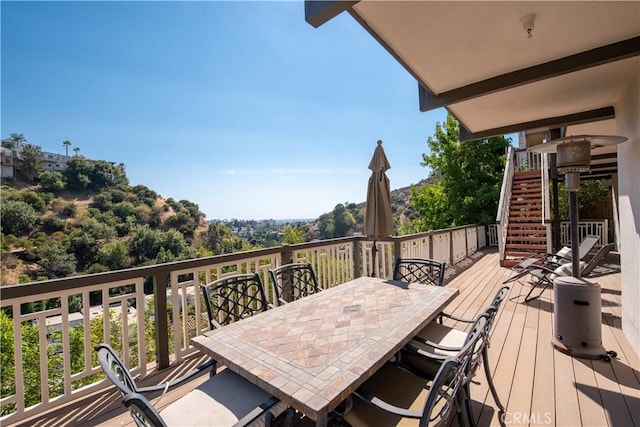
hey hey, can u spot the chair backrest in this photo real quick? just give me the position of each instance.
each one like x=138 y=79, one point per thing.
x=142 y=412
x=293 y=281
x=420 y=270
x=492 y=310
x=443 y=398
x=233 y=298
x=597 y=258
x=115 y=370
x=587 y=244
x=584 y=248
x=476 y=341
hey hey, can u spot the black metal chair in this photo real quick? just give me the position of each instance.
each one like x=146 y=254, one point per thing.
x=293 y=281
x=387 y=397
x=226 y=399
x=436 y=341
x=233 y=298
x=419 y=270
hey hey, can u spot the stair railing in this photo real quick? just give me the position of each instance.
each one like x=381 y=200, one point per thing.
x=502 y=216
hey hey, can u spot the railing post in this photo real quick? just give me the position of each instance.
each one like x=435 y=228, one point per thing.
x=286 y=256
x=431 y=245
x=162 y=321
x=397 y=250
x=357 y=257
x=451 y=247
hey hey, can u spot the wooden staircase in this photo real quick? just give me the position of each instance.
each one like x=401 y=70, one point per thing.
x=526 y=234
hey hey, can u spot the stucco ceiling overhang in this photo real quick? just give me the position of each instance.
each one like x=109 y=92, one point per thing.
x=476 y=59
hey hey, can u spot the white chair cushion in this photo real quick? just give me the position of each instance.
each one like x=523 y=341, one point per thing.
x=442 y=335
x=220 y=401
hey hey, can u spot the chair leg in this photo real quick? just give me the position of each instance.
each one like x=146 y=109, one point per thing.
x=467 y=401
x=492 y=387
x=531 y=298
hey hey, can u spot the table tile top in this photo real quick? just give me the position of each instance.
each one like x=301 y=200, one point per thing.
x=312 y=353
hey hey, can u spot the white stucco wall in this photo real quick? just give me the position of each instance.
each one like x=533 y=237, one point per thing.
x=628 y=124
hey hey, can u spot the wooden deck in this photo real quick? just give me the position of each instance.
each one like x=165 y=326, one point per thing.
x=538 y=384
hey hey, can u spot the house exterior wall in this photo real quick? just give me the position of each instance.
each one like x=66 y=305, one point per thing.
x=7 y=163
x=628 y=124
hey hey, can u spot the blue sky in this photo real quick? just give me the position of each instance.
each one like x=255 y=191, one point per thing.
x=240 y=107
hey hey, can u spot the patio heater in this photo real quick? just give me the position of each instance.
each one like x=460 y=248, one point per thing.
x=577 y=321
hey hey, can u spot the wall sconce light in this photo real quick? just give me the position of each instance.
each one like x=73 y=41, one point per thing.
x=527 y=24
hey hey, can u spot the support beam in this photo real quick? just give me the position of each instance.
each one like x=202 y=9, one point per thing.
x=580 y=61
x=560 y=121
x=318 y=12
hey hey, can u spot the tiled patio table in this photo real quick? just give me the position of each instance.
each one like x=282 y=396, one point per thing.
x=314 y=352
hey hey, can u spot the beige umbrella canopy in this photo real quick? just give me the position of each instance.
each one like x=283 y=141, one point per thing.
x=378 y=222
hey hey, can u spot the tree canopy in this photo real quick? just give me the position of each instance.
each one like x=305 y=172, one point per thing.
x=465 y=179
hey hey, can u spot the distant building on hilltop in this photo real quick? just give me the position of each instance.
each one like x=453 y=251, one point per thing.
x=8 y=162
x=51 y=161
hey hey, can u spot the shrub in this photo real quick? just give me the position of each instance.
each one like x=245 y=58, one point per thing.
x=52 y=181
x=51 y=224
x=18 y=217
x=70 y=210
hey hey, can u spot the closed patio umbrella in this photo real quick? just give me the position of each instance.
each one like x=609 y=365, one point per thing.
x=378 y=222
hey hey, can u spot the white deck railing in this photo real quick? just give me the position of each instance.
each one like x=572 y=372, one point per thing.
x=585 y=228
x=49 y=329
x=502 y=216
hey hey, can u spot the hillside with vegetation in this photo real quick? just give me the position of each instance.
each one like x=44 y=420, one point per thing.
x=89 y=219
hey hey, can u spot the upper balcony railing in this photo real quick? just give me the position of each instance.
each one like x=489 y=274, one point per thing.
x=48 y=329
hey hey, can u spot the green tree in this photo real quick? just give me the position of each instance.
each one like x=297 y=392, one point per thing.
x=468 y=176
x=18 y=218
x=53 y=257
x=114 y=255
x=33 y=199
x=76 y=150
x=215 y=236
x=326 y=226
x=52 y=181
x=30 y=161
x=431 y=203
x=343 y=220
x=84 y=240
x=78 y=173
x=7 y=365
x=590 y=192
x=66 y=143
x=292 y=235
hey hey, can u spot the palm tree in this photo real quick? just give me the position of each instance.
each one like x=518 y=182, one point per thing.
x=66 y=144
x=17 y=137
x=76 y=150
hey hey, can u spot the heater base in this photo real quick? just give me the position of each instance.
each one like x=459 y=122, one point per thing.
x=586 y=353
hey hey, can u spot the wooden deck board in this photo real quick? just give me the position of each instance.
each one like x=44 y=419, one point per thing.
x=538 y=384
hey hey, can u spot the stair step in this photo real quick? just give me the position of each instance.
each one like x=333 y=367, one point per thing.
x=531 y=201
x=524 y=207
x=510 y=246
x=525 y=219
x=517 y=192
x=535 y=183
x=523 y=254
x=526 y=175
x=526 y=233
x=524 y=239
